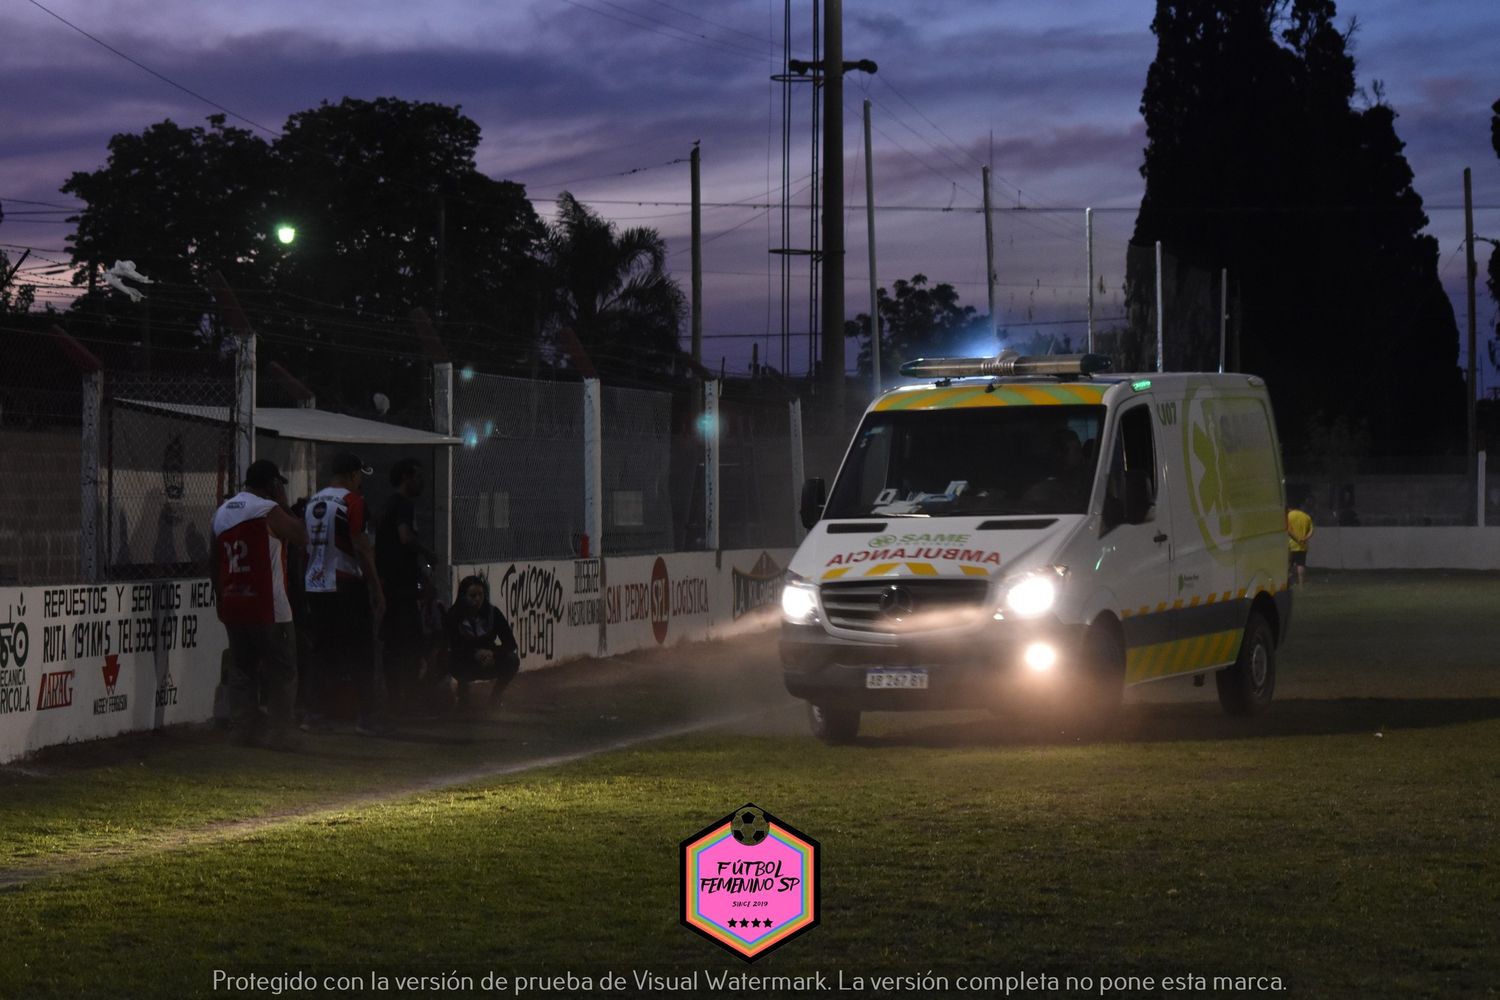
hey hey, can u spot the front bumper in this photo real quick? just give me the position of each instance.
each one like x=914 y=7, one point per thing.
x=979 y=668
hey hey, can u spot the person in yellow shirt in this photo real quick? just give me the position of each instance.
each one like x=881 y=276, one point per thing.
x=1299 y=528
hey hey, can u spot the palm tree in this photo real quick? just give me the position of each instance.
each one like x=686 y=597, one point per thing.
x=613 y=292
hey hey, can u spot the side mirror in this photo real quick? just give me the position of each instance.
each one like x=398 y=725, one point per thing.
x=814 y=496
x=1138 y=498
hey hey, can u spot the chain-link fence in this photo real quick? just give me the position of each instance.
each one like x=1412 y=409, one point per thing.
x=168 y=460
x=1378 y=492
x=636 y=471
x=518 y=476
x=40 y=451
x=755 y=474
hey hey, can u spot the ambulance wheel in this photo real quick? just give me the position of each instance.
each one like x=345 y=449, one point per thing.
x=833 y=725
x=1104 y=658
x=1246 y=687
x=1094 y=702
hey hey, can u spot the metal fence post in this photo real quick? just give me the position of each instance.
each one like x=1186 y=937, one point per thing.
x=442 y=423
x=711 y=390
x=1480 y=479
x=244 y=408
x=593 y=468
x=799 y=470
x=88 y=541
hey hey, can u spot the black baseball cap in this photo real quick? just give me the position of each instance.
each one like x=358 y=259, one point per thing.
x=346 y=462
x=263 y=474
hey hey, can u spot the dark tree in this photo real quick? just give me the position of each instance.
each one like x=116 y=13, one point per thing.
x=180 y=203
x=916 y=320
x=1258 y=161
x=390 y=212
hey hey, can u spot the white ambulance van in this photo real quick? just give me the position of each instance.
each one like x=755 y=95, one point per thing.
x=1023 y=528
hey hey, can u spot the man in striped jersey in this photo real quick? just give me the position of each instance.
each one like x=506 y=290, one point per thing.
x=344 y=596
x=251 y=531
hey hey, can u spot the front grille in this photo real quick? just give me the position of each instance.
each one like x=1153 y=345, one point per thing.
x=905 y=605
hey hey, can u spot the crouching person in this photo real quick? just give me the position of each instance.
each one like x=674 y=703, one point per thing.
x=481 y=645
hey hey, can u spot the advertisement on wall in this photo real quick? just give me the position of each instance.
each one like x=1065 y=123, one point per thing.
x=85 y=662
x=558 y=609
x=553 y=607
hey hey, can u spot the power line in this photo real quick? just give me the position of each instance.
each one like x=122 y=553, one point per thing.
x=754 y=38
x=45 y=204
x=163 y=78
x=695 y=40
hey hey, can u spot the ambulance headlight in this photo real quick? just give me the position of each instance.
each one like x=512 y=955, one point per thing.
x=799 y=601
x=1033 y=593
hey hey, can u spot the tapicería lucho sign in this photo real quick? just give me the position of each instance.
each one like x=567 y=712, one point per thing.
x=750 y=882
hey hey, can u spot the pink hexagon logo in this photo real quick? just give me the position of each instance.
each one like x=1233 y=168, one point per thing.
x=750 y=882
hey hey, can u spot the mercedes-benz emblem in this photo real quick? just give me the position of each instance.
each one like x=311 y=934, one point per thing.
x=896 y=602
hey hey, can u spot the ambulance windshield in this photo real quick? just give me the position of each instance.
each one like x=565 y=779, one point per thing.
x=992 y=460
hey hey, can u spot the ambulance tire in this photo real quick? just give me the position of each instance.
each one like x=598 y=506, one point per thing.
x=833 y=725
x=1246 y=687
x=1103 y=686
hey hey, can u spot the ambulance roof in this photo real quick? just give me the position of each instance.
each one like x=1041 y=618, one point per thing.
x=1031 y=390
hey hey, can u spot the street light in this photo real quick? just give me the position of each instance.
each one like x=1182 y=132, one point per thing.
x=286 y=233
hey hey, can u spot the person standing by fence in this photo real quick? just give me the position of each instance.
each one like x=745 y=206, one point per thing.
x=344 y=597
x=251 y=532
x=400 y=557
x=1299 y=528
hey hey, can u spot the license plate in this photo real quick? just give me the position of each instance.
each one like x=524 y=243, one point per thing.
x=896 y=678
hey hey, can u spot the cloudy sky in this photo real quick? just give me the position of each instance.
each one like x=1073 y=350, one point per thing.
x=606 y=97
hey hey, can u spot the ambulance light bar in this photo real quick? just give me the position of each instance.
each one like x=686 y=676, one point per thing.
x=1007 y=363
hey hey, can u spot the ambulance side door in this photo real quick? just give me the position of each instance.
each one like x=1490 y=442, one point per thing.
x=1134 y=545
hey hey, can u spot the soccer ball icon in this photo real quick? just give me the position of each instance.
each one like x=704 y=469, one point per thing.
x=749 y=826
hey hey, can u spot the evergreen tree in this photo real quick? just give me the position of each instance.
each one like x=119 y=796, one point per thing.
x=1258 y=161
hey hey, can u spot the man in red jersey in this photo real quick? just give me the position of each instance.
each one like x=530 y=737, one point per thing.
x=251 y=531
x=344 y=597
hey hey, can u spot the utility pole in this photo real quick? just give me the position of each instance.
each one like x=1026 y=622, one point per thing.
x=697 y=262
x=833 y=69
x=1470 y=272
x=833 y=203
x=989 y=258
x=1223 y=312
x=1088 y=240
x=1160 y=353
x=442 y=257
x=870 y=238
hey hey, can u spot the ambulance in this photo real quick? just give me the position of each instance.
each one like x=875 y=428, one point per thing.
x=1037 y=530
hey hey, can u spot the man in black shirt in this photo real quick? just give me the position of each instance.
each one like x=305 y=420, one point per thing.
x=399 y=559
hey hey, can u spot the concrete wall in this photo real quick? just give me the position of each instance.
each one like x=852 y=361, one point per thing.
x=86 y=662
x=91 y=661
x=565 y=609
x=1404 y=548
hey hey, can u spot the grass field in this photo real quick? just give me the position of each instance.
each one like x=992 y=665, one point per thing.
x=1344 y=845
